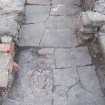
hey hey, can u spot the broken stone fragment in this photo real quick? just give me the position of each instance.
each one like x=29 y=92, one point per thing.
x=92 y=19
x=10 y=6
x=6 y=39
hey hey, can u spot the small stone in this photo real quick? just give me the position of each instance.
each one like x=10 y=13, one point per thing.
x=6 y=39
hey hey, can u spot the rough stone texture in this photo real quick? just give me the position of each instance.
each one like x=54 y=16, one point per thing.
x=35 y=14
x=72 y=57
x=10 y=6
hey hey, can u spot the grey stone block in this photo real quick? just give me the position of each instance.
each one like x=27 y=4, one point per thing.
x=72 y=57
x=35 y=14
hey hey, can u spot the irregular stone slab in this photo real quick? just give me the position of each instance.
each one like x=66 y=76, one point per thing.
x=60 y=97
x=35 y=77
x=72 y=57
x=10 y=6
x=46 y=2
x=59 y=38
x=35 y=14
x=79 y=96
x=8 y=25
x=65 y=77
x=60 y=22
x=89 y=80
x=31 y=35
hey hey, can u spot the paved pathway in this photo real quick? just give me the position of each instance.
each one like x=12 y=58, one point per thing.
x=53 y=70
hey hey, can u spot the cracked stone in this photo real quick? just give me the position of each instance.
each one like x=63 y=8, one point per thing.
x=31 y=35
x=65 y=77
x=67 y=38
x=72 y=57
x=35 y=14
x=89 y=80
x=78 y=96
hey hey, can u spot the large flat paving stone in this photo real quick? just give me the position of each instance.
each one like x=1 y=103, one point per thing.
x=65 y=77
x=34 y=83
x=78 y=96
x=46 y=2
x=72 y=57
x=89 y=80
x=36 y=14
x=61 y=22
x=59 y=38
x=31 y=35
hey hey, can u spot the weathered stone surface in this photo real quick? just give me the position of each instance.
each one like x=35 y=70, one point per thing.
x=10 y=102
x=72 y=57
x=10 y=6
x=46 y=2
x=59 y=38
x=65 y=77
x=31 y=35
x=35 y=14
x=35 y=77
x=8 y=25
x=89 y=80
x=62 y=9
x=79 y=96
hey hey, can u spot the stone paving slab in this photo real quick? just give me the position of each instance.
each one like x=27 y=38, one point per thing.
x=35 y=77
x=45 y=2
x=65 y=77
x=59 y=38
x=78 y=96
x=72 y=57
x=61 y=22
x=89 y=80
x=31 y=35
x=35 y=14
